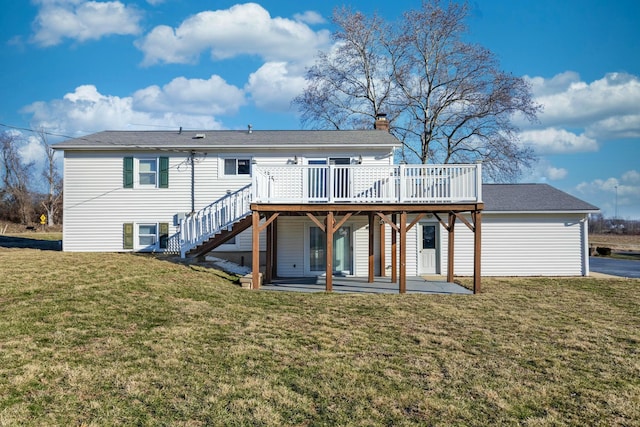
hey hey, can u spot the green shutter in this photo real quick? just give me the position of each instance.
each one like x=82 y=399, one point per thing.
x=164 y=234
x=127 y=235
x=164 y=172
x=128 y=172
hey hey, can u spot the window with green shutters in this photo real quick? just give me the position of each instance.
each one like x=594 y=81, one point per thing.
x=145 y=172
x=148 y=235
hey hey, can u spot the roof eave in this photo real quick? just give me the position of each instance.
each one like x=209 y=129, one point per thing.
x=563 y=211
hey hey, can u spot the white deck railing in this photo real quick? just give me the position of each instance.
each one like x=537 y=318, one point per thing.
x=210 y=220
x=331 y=184
x=367 y=184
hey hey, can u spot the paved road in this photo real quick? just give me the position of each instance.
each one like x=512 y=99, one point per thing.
x=23 y=242
x=615 y=267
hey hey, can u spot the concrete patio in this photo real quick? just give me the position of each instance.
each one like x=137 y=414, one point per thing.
x=381 y=285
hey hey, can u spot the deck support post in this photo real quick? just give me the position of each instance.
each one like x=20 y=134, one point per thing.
x=477 y=257
x=382 y=250
x=329 y=252
x=255 y=253
x=403 y=253
x=274 y=256
x=394 y=250
x=450 y=244
x=372 y=224
x=269 y=254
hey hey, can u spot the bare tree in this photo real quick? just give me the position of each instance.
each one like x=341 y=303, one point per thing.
x=350 y=85
x=53 y=198
x=15 y=195
x=448 y=99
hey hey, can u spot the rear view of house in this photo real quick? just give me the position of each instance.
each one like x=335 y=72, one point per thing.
x=304 y=203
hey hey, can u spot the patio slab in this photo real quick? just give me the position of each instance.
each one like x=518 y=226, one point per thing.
x=381 y=285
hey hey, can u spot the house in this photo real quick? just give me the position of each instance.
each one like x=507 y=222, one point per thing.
x=304 y=203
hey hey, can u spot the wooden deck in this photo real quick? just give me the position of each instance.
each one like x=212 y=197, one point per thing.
x=331 y=194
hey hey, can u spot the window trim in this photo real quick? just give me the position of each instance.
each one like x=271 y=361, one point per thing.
x=137 y=172
x=222 y=169
x=156 y=240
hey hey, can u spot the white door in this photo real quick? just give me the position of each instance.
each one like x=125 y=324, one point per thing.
x=428 y=249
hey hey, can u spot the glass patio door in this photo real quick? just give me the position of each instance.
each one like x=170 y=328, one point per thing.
x=341 y=251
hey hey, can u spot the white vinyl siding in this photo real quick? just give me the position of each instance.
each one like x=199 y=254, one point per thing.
x=524 y=245
x=291 y=251
x=96 y=204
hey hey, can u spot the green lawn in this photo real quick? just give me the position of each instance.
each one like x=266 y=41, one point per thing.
x=118 y=339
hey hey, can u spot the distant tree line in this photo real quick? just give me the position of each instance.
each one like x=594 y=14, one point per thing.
x=598 y=224
x=27 y=192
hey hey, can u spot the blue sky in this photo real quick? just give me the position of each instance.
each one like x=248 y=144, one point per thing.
x=75 y=67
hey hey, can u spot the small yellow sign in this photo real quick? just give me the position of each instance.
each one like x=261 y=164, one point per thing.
x=43 y=219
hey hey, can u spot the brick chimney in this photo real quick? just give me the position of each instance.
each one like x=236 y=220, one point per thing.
x=381 y=122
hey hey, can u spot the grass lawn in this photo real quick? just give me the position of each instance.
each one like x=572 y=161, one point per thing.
x=120 y=339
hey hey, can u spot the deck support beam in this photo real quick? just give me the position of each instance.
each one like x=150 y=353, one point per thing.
x=382 y=250
x=372 y=225
x=329 y=252
x=255 y=253
x=269 y=254
x=477 y=253
x=394 y=249
x=451 y=246
x=403 y=253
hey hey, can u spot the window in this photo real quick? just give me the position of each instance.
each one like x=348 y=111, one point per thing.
x=146 y=172
x=147 y=235
x=237 y=166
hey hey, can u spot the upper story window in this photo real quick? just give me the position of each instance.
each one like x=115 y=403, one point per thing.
x=237 y=166
x=146 y=172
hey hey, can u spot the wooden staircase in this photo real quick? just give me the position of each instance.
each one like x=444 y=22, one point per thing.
x=221 y=237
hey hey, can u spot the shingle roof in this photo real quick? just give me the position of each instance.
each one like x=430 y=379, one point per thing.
x=229 y=139
x=530 y=198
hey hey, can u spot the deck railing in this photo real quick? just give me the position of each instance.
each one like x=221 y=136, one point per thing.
x=367 y=184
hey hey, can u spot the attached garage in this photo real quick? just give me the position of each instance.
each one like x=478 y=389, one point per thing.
x=527 y=230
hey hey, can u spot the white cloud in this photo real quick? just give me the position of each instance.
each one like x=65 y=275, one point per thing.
x=544 y=171
x=557 y=141
x=191 y=96
x=309 y=17
x=86 y=110
x=272 y=87
x=82 y=20
x=606 y=108
x=243 y=29
x=631 y=177
x=557 y=84
x=32 y=151
x=556 y=174
x=610 y=193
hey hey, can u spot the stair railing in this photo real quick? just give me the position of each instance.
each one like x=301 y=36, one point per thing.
x=199 y=226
